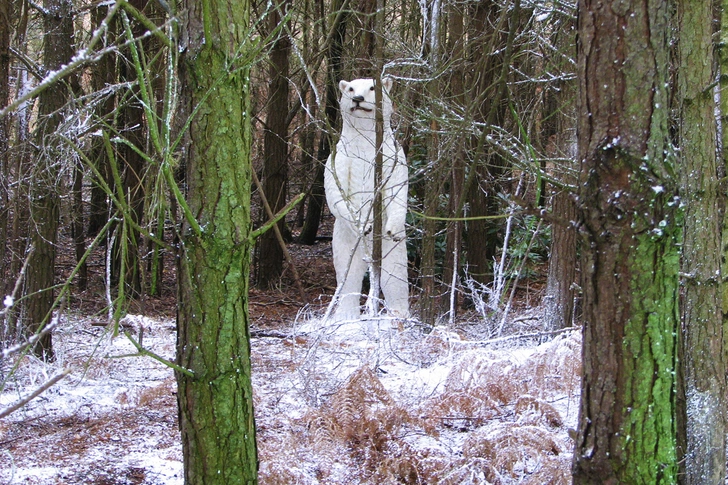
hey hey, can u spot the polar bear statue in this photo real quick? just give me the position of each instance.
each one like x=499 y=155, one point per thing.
x=349 y=185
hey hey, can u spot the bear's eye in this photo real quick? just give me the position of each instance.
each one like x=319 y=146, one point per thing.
x=351 y=90
x=371 y=89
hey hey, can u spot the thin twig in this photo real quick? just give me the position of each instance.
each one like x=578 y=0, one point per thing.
x=142 y=352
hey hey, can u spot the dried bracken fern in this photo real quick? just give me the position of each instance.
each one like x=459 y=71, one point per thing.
x=353 y=405
x=554 y=367
x=494 y=420
x=515 y=451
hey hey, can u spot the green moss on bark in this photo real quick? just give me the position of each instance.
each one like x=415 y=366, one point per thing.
x=216 y=404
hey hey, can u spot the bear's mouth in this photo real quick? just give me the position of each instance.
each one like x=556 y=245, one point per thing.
x=359 y=107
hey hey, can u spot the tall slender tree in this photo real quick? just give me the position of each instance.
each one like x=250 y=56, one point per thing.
x=629 y=219
x=275 y=140
x=213 y=344
x=705 y=378
x=58 y=49
x=102 y=75
x=4 y=134
x=491 y=91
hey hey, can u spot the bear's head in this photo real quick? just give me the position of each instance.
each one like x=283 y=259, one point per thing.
x=357 y=98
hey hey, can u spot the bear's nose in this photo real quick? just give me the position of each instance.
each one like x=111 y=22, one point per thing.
x=358 y=99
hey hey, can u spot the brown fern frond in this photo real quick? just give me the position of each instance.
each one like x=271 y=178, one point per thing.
x=555 y=367
x=352 y=405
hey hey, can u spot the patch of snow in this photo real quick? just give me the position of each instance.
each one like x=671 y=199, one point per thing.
x=114 y=418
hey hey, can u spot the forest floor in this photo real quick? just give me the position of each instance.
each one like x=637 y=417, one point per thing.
x=376 y=402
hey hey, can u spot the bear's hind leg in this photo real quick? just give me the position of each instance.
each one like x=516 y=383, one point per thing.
x=350 y=267
x=394 y=276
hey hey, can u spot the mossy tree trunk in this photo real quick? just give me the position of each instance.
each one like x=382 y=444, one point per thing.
x=216 y=402
x=703 y=361
x=629 y=219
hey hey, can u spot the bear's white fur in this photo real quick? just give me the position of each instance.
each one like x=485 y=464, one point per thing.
x=349 y=184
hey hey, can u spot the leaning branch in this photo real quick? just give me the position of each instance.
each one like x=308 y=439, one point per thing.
x=273 y=221
x=279 y=237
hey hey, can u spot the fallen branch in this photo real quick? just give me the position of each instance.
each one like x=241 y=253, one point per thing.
x=272 y=334
x=483 y=343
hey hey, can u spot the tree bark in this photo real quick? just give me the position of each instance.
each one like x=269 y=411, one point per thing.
x=556 y=120
x=216 y=402
x=486 y=178
x=629 y=219
x=559 y=296
x=703 y=362
x=102 y=76
x=454 y=234
x=79 y=240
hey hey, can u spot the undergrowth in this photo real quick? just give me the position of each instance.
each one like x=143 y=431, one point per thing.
x=494 y=420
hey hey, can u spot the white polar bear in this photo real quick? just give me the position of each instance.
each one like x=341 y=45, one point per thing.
x=349 y=184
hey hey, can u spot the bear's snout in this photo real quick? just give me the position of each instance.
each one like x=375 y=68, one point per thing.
x=359 y=99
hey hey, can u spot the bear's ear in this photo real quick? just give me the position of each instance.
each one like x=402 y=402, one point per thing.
x=343 y=85
x=387 y=83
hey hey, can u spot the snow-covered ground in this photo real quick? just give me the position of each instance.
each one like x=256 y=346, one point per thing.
x=334 y=405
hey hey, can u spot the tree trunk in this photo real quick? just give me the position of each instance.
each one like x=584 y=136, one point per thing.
x=216 y=402
x=486 y=178
x=454 y=234
x=157 y=209
x=103 y=75
x=79 y=241
x=44 y=207
x=703 y=362
x=551 y=135
x=21 y=165
x=275 y=165
x=627 y=420
x=723 y=160
x=4 y=133
x=430 y=301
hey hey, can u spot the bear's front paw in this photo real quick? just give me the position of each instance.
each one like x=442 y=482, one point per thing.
x=394 y=235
